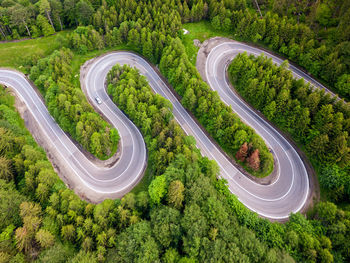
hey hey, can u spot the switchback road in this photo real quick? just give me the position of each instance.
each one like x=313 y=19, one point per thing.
x=93 y=181
x=288 y=193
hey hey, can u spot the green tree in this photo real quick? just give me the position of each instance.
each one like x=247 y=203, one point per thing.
x=68 y=232
x=326 y=212
x=21 y=16
x=58 y=253
x=9 y=205
x=45 y=9
x=84 y=12
x=343 y=85
x=136 y=244
x=166 y=226
x=95 y=145
x=83 y=257
x=324 y=14
x=44 y=238
x=57 y=12
x=5 y=169
x=176 y=194
x=44 y=25
x=157 y=189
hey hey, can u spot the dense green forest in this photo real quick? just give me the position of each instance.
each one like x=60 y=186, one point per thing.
x=186 y=215
x=228 y=130
x=315 y=119
x=314 y=33
x=68 y=105
x=218 y=119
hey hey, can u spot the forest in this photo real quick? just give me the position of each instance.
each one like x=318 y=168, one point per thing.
x=69 y=106
x=218 y=119
x=315 y=119
x=315 y=34
x=186 y=214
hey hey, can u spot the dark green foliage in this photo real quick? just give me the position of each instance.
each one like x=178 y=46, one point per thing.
x=152 y=114
x=136 y=244
x=323 y=52
x=9 y=205
x=68 y=104
x=207 y=229
x=305 y=239
x=201 y=223
x=311 y=116
x=218 y=119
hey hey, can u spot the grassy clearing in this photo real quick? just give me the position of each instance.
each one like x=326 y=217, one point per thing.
x=17 y=54
x=200 y=30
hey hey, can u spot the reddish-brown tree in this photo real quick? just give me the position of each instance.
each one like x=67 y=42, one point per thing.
x=254 y=160
x=242 y=152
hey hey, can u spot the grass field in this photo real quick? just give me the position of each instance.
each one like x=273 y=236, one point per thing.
x=16 y=54
x=200 y=30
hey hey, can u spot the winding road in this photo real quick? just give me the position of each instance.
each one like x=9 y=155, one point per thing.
x=95 y=182
x=287 y=194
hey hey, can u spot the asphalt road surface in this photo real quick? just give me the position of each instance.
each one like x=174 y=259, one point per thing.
x=288 y=193
x=96 y=182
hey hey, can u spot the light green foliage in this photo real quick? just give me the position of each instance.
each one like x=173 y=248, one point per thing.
x=83 y=257
x=324 y=14
x=343 y=85
x=157 y=189
x=176 y=194
x=44 y=25
x=44 y=238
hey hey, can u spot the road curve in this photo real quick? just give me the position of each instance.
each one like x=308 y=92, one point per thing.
x=292 y=185
x=93 y=181
x=276 y=201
